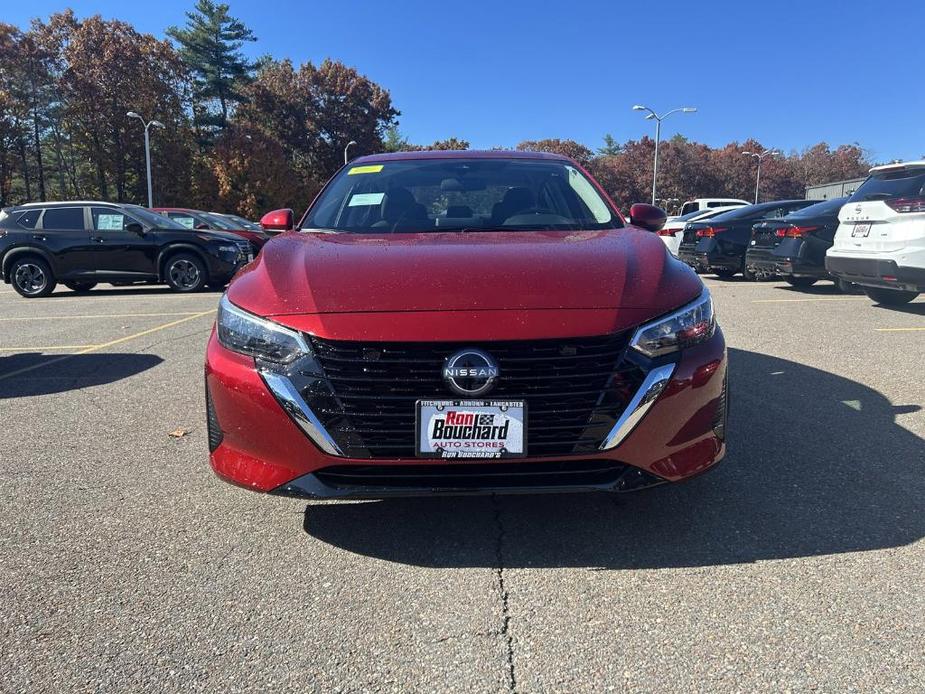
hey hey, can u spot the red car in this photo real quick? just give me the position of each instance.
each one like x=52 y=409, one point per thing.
x=464 y=322
x=197 y=219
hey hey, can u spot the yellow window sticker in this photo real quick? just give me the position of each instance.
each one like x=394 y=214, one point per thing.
x=370 y=168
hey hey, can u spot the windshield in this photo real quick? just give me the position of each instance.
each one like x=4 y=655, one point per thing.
x=244 y=223
x=217 y=222
x=893 y=184
x=820 y=208
x=153 y=219
x=455 y=194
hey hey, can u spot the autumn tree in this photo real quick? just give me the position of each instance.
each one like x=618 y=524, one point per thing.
x=210 y=47
x=247 y=173
x=568 y=148
x=111 y=69
x=313 y=112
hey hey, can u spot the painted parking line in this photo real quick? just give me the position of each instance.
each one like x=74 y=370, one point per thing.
x=111 y=343
x=899 y=330
x=104 y=315
x=818 y=298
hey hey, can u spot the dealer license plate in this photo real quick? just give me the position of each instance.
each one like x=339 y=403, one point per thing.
x=861 y=230
x=471 y=428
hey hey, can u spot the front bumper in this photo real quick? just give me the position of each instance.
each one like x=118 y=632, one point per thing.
x=260 y=445
x=875 y=272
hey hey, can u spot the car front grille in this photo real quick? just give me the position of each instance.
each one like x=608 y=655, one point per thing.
x=575 y=389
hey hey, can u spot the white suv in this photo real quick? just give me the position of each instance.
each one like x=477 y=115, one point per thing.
x=880 y=242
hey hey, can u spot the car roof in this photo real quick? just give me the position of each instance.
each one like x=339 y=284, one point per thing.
x=899 y=166
x=68 y=203
x=173 y=209
x=458 y=154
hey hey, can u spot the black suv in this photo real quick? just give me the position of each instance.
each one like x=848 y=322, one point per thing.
x=83 y=243
x=719 y=244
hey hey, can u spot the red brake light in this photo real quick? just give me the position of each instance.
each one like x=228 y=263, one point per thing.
x=798 y=232
x=710 y=232
x=666 y=232
x=904 y=205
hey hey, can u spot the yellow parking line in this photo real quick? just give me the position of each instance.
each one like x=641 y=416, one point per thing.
x=95 y=348
x=145 y=332
x=104 y=315
x=899 y=330
x=818 y=298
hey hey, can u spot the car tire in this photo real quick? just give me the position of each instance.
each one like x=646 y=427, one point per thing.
x=749 y=275
x=890 y=297
x=80 y=287
x=800 y=282
x=185 y=272
x=32 y=278
x=725 y=273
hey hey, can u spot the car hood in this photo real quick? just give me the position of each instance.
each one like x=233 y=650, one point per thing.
x=307 y=273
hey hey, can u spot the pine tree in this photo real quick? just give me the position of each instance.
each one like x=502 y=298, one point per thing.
x=210 y=47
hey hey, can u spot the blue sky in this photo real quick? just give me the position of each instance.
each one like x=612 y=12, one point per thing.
x=788 y=73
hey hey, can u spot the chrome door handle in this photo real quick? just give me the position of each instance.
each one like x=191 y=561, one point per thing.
x=39 y=237
x=98 y=239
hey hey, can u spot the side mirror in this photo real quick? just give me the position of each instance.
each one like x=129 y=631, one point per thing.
x=648 y=217
x=135 y=228
x=278 y=220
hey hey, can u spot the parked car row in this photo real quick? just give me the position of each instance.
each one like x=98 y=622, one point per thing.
x=873 y=240
x=81 y=244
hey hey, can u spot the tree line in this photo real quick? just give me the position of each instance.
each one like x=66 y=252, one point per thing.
x=247 y=136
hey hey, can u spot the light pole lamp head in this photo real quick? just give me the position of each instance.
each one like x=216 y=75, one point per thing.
x=746 y=154
x=132 y=114
x=637 y=107
x=351 y=143
x=158 y=124
x=689 y=109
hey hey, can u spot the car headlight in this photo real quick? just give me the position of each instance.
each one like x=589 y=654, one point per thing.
x=246 y=333
x=228 y=249
x=685 y=327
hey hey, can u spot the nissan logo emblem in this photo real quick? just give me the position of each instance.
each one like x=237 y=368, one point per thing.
x=470 y=372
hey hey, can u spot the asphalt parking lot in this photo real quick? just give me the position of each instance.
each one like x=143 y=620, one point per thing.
x=126 y=565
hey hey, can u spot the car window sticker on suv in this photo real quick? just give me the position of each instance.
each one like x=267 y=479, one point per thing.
x=185 y=220
x=107 y=221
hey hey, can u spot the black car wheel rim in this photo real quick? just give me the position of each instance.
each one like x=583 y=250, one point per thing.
x=30 y=278
x=184 y=274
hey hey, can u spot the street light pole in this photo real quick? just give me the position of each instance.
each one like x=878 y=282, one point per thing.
x=759 y=156
x=148 y=124
x=658 y=135
x=349 y=144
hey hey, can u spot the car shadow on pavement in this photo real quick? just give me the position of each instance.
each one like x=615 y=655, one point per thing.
x=817 y=465
x=44 y=374
x=821 y=288
x=916 y=309
x=100 y=292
